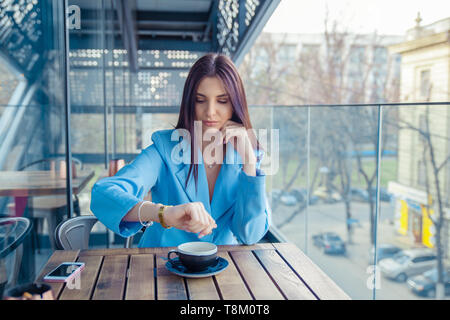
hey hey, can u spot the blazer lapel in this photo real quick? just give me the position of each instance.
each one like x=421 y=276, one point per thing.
x=182 y=175
x=226 y=185
x=225 y=188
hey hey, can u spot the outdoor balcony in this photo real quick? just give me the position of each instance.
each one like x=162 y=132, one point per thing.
x=347 y=183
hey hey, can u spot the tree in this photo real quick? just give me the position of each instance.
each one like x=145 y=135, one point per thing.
x=434 y=176
x=337 y=72
x=266 y=78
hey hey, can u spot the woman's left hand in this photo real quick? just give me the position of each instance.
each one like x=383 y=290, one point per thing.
x=244 y=146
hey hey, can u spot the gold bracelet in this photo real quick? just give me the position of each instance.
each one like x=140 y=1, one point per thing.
x=160 y=215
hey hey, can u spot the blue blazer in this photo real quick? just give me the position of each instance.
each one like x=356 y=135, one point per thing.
x=238 y=205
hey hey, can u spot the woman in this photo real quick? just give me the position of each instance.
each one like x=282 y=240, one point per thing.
x=227 y=203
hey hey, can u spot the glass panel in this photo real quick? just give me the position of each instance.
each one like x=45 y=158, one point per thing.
x=346 y=55
x=418 y=189
x=32 y=125
x=91 y=75
x=343 y=148
x=115 y=111
x=289 y=184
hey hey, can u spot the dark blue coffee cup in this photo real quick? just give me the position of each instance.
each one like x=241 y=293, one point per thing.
x=195 y=256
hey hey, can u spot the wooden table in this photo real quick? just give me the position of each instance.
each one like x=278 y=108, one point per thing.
x=40 y=183
x=263 y=271
x=24 y=184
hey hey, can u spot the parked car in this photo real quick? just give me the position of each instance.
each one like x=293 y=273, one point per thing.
x=326 y=195
x=384 y=251
x=329 y=242
x=293 y=197
x=275 y=193
x=384 y=194
x=288 y=199
x=301 y=195
x=283 y=197
x=357 y=194
x=425 y=284
x=407 y=263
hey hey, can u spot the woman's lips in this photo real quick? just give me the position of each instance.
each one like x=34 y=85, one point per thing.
x=210 y=123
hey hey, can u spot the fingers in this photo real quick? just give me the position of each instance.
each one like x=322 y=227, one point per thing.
x=200 y=220
x=191 y=217
x=207 y=231
x=211 y=225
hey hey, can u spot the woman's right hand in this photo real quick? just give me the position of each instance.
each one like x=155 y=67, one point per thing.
x=191 y=217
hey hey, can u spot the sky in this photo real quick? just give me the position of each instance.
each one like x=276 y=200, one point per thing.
x=391 y=17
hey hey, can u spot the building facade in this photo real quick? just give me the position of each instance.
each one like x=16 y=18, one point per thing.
x=356 y=68
x=424 y=169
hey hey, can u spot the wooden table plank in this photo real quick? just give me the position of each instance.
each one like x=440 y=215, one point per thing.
x=270 y=271
x=168 y=285
x=256 y=278
x=202 y=289
x=240 y=247
x=164 y=250
x=310 y=273
x=55 y=260
x=111 y=281
x=231 y=285
x=287 y=281
x=141 y=280
x=88 y=278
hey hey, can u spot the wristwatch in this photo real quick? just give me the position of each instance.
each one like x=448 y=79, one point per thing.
x=161 y=216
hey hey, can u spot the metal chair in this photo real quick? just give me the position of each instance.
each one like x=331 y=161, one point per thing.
x=13 y=232
x=73 y=234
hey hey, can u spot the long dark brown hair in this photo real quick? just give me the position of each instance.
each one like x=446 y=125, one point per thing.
x=212 y=65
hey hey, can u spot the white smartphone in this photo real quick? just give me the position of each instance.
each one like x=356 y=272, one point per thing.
x=64 y=272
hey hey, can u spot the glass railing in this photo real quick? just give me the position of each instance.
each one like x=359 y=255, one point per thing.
x=355 y=180
x=343 y=183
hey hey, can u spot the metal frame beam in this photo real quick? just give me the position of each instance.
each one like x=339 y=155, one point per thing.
x=78 y=41
x=83 y=109
x=127 y=27
x=170 y=44
x=211 y=20
x=260 y=19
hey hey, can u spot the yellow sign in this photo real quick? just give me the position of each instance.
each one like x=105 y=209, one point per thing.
x=428 y=229
x=403 y=228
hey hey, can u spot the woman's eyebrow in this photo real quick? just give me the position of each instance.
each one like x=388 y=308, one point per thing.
x=219 y=96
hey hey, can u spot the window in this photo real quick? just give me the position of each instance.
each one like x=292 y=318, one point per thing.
x=425 y=84
x=310 y=50
x=429 y=258
x=421 y=165
x=421 y=173
x=380 y=56
x=423 y=259
x=356 y=65
x=286 y=54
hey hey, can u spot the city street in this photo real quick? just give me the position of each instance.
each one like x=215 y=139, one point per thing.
x=351 y=272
